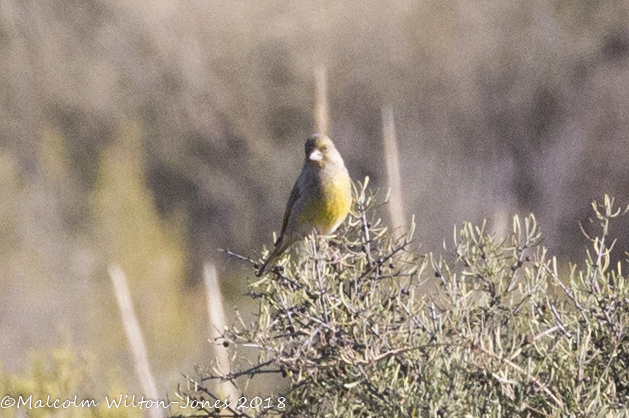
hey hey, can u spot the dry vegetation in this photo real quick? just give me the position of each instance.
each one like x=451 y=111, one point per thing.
x=354 y=331
x=150 y=133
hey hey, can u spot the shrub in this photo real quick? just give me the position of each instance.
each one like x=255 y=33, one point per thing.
x=354 y=327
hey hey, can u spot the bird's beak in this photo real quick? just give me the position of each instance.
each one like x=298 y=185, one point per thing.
x=315 y=155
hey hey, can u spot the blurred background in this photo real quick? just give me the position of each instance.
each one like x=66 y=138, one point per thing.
x=151 y=133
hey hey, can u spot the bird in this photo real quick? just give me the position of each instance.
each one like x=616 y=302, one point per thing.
x=320 y=200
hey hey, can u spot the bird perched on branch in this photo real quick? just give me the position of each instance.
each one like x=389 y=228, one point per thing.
x=320 y=200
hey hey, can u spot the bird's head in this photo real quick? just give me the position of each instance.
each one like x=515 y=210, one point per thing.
x=320 y=150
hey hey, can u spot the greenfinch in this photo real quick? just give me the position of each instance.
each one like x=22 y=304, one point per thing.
x=321 y=197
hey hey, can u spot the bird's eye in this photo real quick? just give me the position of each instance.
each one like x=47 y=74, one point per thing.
x=325 y=147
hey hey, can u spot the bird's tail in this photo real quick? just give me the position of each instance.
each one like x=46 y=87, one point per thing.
x=280 y=247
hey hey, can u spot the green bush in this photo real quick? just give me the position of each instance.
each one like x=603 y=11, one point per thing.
x=354 y=327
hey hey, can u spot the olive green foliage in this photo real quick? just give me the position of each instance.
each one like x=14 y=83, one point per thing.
x=150 y=249
x=54 y=256
x=354 y=328
x=60 y=374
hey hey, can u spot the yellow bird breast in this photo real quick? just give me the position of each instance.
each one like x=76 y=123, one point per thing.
x=328 y=208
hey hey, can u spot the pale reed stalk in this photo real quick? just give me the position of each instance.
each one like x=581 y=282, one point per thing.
x=136 y=341
x=217 y=322
x=322 y=115
x=392 y=162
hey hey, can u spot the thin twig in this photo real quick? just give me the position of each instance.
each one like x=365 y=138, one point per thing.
x=560 y=322
x=363 y=217
x=540 y=384
x=248 y=372
x=568 y=292
x=233 y=254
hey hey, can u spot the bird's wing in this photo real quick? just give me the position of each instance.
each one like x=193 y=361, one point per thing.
x=294 y=195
